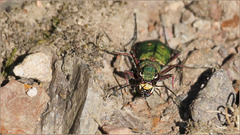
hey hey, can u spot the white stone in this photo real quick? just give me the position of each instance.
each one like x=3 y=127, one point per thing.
x=32 y=92
x=35 y=66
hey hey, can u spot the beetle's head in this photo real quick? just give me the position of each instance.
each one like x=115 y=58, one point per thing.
x=148 y=73
x=146 y=89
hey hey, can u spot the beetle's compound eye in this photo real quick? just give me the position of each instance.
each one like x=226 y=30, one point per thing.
x=156 y=76
x=141 y=74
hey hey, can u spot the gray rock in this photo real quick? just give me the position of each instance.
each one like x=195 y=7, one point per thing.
x=68 y=99
x=86 y=122
x=75 y=104
x=35 y=66
x=214 y=95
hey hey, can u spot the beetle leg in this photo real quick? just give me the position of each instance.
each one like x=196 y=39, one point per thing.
x=129 y=73
x=173 y=58
x=167 y=69
x=167 y=76
x=135 y=59
x=152 y=91
x=120 y=53
x=170 y=67
x=127 y=54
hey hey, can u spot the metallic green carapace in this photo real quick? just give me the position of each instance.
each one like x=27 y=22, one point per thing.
x=153 y=55
x=153 y=50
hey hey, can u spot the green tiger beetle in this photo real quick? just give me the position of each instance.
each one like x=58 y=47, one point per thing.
x=150 y=57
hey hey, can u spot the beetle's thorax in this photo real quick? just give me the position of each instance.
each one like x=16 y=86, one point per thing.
x=148 y=73
x=149 y=70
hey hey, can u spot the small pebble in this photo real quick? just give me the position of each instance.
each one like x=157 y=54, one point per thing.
x=32 y=92
x=121 y=131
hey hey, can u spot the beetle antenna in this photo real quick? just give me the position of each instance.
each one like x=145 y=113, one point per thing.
x=135 y=29
x=164 y=30
x=134 y=38
x=118 y=90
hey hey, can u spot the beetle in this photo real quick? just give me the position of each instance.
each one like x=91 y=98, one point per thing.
x=150 y=57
